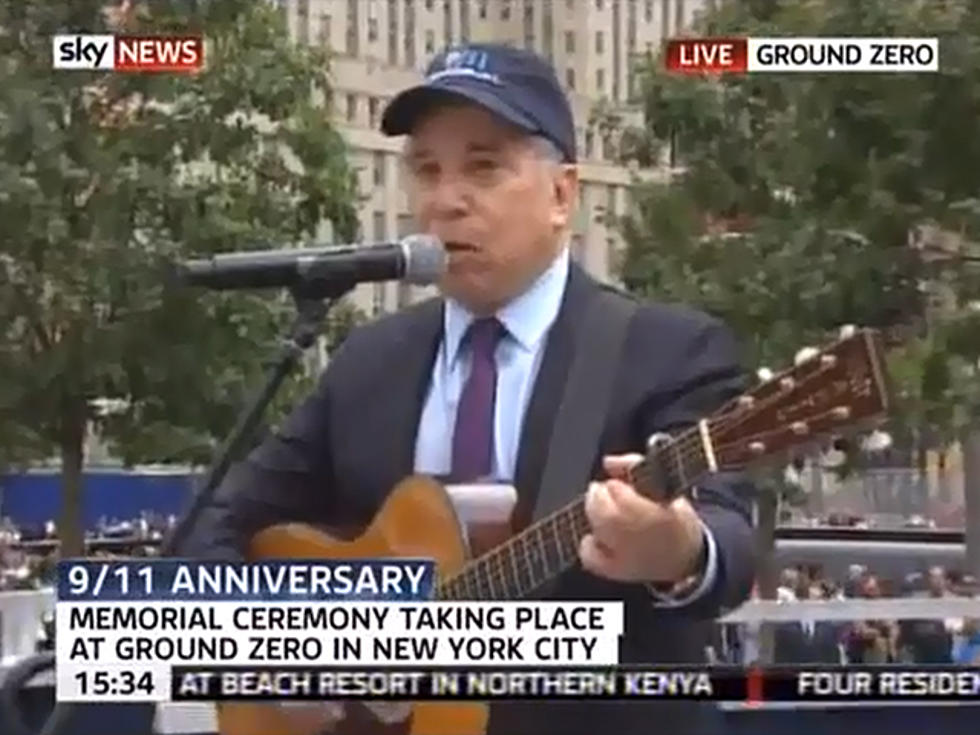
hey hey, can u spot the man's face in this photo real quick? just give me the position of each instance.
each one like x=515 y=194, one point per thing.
x=489 y=194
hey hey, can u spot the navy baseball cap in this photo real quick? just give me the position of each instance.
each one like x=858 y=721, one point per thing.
x=514 y=84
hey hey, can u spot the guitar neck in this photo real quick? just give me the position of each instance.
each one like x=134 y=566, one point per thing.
x=824 y=392
x=548 y=547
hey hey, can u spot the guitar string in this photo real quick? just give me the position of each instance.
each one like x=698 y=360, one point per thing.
x=687 y=445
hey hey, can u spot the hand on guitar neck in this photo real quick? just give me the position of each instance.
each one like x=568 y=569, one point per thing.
x=638 y=539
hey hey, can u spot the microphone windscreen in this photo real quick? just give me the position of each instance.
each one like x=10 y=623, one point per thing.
x=425 y=259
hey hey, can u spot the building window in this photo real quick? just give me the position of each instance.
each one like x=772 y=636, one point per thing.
x=410 y=50
x=570 y=78
x=631 y=28
x=379 y=179
x=353 y=27
x=429 y=4
x=482 y=9
x=303 y=21
x=589 y=143
x=373 y=112
x=548 y=29
x=607 y=148
x=410 y=33
x=464 y=20
x=600 y=42
x=447 y=21
x=392 y=32
x=570 y=42
x=372 y=30
x=430 y=42
x=569 y=4
x=323 y=35
x=351 y=107
x=505 y=10
x=664 y=18
x=648 y=11
x=578 y=248
x=529 y=26
x=599 y=4
x=380 y=232
x=600 y=80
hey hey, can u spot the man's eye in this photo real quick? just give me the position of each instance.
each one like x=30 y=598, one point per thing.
x=426 y=170
x=484 y=164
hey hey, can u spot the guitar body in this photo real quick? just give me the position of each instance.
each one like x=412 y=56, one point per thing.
x=417 y=520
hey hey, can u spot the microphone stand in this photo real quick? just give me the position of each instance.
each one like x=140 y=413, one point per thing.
x=313 y=300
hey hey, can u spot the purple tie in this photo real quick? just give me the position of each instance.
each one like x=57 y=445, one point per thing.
x=473 y=436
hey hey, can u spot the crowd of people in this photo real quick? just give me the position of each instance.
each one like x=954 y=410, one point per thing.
x=945 y=640
x=28 y=554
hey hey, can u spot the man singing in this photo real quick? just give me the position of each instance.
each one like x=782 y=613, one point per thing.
x=490 y=169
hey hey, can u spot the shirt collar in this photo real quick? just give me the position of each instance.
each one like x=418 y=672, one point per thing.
x=527 y=318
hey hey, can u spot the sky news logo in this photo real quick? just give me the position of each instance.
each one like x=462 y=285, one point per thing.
x=128 y=53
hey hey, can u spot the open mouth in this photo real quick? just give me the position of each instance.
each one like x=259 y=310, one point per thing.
x=457 y=246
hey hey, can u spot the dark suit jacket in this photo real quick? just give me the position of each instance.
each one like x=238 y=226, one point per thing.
x=343 y=449
x=793 y=646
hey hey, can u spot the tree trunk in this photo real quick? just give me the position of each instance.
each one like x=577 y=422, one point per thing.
x=70 y=531
x=971 y=496
x=768 y=575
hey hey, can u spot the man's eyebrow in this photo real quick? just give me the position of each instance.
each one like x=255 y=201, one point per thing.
x=413 y=154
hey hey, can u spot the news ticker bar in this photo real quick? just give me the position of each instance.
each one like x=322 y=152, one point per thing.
x=208 y=683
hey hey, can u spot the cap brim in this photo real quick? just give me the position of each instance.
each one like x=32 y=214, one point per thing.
x=402 y=113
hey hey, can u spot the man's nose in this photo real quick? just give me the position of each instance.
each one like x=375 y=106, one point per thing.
x=448 y=198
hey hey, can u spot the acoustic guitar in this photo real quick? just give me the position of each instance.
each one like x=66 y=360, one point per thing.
x=840 y=387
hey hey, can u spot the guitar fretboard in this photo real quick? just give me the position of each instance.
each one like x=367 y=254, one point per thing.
x=547 y=548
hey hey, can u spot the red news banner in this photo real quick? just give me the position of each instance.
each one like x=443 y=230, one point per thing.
x=732 y=684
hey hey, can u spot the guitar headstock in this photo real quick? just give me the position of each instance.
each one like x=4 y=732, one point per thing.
x=828 y=390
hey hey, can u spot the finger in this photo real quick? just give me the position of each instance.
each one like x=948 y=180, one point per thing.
x=594 y=557
x=619 y=465
x=600 y=510
x=634 y=509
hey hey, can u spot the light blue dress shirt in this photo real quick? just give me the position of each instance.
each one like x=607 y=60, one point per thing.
x=527 y=320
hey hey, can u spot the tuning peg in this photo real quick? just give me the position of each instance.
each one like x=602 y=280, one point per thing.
x=764 y=374
x=806 y=353
x=848 y=331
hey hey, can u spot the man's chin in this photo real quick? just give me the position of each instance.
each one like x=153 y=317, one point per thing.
x=472 y=292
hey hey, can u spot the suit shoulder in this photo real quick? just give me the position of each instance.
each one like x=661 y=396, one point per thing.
x=674 y=316
x=389 y=328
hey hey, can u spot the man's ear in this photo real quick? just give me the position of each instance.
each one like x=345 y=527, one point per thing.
x=564 y=195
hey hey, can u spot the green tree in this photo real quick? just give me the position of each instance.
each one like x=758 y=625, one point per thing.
x=104 y=178
x=800 y=202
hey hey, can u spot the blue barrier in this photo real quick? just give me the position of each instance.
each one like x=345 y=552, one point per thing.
x=32 y=498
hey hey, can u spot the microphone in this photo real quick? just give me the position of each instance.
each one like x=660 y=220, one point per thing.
x=416 y=259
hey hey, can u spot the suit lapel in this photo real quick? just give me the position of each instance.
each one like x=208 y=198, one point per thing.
x=411 y=377
x=547 y=394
